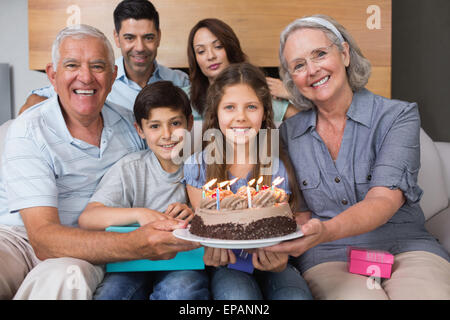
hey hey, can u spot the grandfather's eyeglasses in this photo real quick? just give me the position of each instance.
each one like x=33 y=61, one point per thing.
x=298 y=66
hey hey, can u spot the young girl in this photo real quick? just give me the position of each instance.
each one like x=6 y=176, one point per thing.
x=238 y=108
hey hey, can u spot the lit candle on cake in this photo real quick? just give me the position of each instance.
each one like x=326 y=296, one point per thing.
x=222 y=184
x=260 y=180
x=280 y=194
x=249 y=195
x=207 y=186
x=276 y=182
x=231 y=182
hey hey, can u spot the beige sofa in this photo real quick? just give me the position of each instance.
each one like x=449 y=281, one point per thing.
x=434 y=179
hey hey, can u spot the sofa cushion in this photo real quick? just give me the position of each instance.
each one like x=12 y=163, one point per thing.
x=444 y=152
x=431 y=178
x=439 y=227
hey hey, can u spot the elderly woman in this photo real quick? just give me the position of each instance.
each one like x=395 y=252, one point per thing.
x=356 y=156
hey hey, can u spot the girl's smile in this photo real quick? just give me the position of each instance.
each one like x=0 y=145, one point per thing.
x=240 y=113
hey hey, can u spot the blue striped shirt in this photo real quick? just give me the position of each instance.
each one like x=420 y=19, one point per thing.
x=43 y=165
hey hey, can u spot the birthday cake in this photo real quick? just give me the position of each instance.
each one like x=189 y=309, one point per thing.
x=234 y=217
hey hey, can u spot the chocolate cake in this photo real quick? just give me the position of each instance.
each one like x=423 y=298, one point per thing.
x=268 y=217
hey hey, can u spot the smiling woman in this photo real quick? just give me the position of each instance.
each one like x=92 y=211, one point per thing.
x=212 y=46
x=310 y=46
x=210 y=53
x=357 y=157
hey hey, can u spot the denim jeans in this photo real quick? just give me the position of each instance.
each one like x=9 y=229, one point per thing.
x=230 y=284
x=181 y=285
x=124 y=286
x=167 y=285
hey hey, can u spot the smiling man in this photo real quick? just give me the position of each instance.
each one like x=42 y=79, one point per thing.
x=138 y=36
x=53 y=160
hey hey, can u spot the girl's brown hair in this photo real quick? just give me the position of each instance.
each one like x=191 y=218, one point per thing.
x=248 y=74
x=229 y=40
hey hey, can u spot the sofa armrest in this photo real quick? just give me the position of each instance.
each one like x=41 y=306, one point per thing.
x=431 y=178
x=439 y=227
x=444 y=153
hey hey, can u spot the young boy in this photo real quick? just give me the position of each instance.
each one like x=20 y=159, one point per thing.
x=145 y=186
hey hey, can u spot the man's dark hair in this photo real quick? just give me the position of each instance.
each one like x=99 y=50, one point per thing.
x=135 y=9
x=160 y=94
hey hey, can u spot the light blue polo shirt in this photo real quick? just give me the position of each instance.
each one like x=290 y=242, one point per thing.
x=124 y=91
x=43 y=165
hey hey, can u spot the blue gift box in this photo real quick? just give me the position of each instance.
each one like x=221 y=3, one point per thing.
x=186 y=260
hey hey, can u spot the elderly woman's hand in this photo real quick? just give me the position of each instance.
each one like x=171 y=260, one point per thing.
x=314 y=233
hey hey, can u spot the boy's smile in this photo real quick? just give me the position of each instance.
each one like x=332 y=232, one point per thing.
x=163 y=131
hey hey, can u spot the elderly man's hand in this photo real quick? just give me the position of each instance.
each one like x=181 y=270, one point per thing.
x=158 y=243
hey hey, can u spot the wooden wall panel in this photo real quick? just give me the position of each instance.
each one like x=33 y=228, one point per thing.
x=257 y=24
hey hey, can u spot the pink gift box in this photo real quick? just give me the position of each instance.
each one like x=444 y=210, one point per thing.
x=370 y=262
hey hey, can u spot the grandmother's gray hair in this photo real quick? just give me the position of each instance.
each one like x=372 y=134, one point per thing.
x=358 y=71
x=80 y=31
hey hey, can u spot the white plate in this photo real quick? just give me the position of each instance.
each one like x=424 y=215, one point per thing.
x=234 y=244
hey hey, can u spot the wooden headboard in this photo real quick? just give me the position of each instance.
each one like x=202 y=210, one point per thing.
x=257 y=23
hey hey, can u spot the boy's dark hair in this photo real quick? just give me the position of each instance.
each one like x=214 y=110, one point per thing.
x=135 y=9
x=160 y=94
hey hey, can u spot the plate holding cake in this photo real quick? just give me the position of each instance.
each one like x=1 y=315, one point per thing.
x=246 y=215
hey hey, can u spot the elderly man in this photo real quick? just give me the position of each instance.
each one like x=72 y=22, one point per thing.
x=138 y=36
x=55 y=154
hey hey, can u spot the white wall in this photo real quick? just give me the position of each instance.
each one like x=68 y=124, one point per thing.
x=14 y=50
